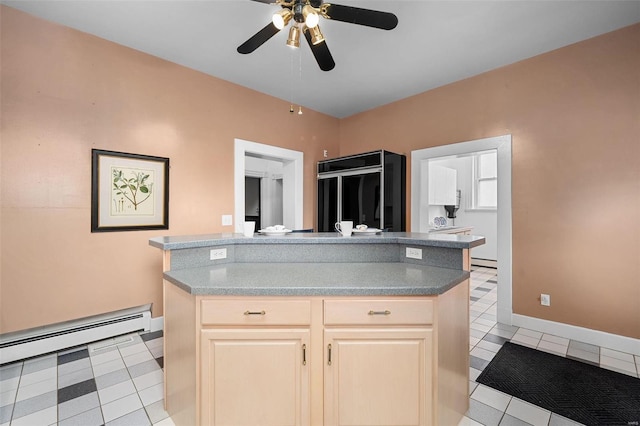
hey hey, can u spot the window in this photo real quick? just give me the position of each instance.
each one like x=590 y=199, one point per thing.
x=485 y=180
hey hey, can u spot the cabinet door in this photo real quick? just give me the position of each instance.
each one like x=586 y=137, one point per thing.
x=378 y=376
x=442 y=186
x=254 y=377
x=449 y=185
x=435 y=183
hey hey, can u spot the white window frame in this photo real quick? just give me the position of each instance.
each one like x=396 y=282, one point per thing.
x=477 y=179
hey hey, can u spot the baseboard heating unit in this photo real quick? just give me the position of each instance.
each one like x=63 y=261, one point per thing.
x=51 y=338
x=484 y=262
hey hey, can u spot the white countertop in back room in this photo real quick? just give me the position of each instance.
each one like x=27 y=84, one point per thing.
x=449 y=229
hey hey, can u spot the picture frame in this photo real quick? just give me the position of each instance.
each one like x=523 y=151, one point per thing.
x=129 y=192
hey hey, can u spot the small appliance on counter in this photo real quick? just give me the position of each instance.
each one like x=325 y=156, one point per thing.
x=451 y=210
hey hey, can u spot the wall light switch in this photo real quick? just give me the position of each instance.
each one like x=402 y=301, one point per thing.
x=227 y=220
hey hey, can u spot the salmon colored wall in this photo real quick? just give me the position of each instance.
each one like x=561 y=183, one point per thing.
x=574 y=117
x=64 y=93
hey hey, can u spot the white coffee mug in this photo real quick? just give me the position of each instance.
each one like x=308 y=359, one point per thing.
x=344 y=227
x=249 y=229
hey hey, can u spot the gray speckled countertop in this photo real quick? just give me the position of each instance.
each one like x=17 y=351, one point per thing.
x=317 y=279
x=413 y=238
x=317 y=264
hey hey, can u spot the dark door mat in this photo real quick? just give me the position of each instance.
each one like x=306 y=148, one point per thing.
x=582 y=392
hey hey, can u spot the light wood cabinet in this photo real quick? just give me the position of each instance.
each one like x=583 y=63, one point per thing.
x=378 y=362
x=418 y=311
x=246 y=338
x=253 y=371
x=254 y=312
x=317 y=360
x=378 y=376
x=254 y=377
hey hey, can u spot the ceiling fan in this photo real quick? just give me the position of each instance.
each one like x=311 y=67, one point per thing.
x=306 y=15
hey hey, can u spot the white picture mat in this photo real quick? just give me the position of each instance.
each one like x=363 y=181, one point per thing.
x=148 y=215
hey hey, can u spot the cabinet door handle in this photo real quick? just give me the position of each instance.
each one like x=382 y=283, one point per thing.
x=329 y=354
x=304 y=354
x=387 y=312
x=255 y=313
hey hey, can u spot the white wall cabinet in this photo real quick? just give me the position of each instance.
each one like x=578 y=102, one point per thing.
x=442 y=185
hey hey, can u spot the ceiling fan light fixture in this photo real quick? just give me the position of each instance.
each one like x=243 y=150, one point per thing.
x=281 y=18
x=294 y=36
x=316 y=35
x=306 y=14
x=311 y=17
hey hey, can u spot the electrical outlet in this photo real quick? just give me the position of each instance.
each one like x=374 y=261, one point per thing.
x=545 y=300
x=325 y=154
x=217 y=254
x=414 y=253
x=227 y=220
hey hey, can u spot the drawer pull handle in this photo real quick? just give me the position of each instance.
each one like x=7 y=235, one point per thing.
x=387 y=312
x=255 y=313
x=329 y=354
x=304 y=354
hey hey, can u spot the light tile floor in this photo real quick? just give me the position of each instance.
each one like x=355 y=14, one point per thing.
x=112 y=382
x=119 y=381
x=490 y=407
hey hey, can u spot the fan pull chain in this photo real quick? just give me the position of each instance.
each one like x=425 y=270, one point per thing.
x=300 y=79
x=291 y=81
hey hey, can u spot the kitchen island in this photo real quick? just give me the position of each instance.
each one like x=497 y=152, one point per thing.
x=312 y=329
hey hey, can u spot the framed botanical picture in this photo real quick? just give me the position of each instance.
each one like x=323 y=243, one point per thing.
x=129 y=192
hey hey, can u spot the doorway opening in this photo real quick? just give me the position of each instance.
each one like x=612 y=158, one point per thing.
x=462 y=192
x=287 y=183
x=252 y=200
x=263 y=184
x=420 y=203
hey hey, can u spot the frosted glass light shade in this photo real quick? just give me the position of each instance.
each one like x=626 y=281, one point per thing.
x=281 y=19
x=311 y=18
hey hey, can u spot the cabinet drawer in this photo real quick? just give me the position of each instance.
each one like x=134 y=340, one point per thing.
x=375 y=312
x=255 y=312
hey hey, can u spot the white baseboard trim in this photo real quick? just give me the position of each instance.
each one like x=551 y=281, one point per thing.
x=586 y=335
x=156 y=324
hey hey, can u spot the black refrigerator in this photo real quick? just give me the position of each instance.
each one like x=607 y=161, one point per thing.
x=366 y=188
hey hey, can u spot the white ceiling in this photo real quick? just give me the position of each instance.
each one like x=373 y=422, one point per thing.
x=435 y=42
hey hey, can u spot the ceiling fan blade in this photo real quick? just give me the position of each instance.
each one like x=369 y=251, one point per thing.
x=258 y=39
x=321 y=53
x=366 y=17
